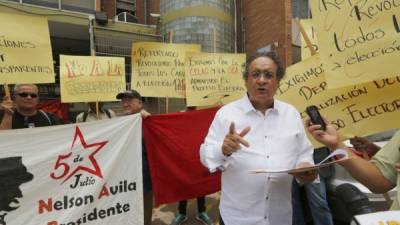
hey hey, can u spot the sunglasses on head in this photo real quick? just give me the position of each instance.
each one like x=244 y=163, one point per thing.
x=25 y=94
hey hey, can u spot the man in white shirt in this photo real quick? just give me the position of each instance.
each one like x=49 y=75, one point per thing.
x=257 y=132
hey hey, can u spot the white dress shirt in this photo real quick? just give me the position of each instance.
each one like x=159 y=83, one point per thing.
x=277 y=141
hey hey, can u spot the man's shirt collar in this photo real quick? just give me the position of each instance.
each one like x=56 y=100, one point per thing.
x=248 y=107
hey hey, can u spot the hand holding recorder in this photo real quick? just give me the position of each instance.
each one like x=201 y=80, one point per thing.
x=321 y=130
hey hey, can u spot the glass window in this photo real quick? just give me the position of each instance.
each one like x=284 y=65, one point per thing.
x=45 y=3
x=300 y=8
x=85 y=6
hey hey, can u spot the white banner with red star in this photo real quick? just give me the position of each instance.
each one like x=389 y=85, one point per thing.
x=77 y=174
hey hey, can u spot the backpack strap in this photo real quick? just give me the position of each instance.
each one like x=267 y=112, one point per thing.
x=85 y=115
x=47 y=116
x=108 y=113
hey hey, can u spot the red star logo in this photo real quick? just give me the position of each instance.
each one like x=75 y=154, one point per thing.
x=66 y=168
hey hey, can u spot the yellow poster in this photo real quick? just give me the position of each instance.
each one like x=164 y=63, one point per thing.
x=91 y=78
x=358 y=40
x=360 y=110
x=25 y=50
x=214 y=79
x=310 y=30
x=158 y=69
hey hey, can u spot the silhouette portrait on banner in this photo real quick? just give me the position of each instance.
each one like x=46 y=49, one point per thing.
x=12 y=174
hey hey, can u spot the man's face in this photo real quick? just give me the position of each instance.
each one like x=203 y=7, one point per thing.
x=131 y=105
x=26 y=97
x=262 y=82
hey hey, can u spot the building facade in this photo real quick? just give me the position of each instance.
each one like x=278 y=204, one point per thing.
x=76 y=29
x=244 y=26
x=109 y=27
x=205 y=22
x=265 y=25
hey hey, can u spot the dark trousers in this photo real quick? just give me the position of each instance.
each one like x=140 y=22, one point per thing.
x=201 y=205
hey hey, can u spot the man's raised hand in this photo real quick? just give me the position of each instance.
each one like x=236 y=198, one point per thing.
x=7 y=106
x=233 y=140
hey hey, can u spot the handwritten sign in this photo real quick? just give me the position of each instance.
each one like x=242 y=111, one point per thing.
x=308 y=26
x=214 y=79
x=91 y=78
x=360 y=110
x=25 y=50
x=378 y=218
x=158 y=69
x=359 y=40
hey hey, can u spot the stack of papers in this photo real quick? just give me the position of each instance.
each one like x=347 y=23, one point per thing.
x=336 y=156
x=378 y=218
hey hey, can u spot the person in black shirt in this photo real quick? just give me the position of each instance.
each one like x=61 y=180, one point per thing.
x=22 y=112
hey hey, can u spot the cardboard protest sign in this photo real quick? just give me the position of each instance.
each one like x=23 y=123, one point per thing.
x=358 y=40
x=214 y=79
x=73 y=174
x=25 y=50
x=360 y=110
x=308 y=26
x=158 y=69
x=378 y=218
x=91 y=78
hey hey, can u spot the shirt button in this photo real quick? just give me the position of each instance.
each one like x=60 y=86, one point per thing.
x=265 y=137
x=267 y=156
x=265 y=217
x=269 y=178
x=266 y=198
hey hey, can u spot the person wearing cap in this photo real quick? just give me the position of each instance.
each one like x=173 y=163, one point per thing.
x=13 y=173
x=132 y=103
x=23 y=112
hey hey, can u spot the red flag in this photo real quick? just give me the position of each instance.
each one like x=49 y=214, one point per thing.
x=173 y=144
x=55 y=106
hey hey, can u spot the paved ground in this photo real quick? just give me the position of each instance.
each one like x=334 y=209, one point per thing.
x=164 y=214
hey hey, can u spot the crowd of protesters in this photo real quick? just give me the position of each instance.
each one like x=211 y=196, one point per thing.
x=255 y=131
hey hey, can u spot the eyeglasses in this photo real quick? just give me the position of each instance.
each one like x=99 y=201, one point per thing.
x=25 y=95
x=257 y=74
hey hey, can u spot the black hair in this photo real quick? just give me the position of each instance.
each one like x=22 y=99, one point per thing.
x=13 y=173
x=280 y=72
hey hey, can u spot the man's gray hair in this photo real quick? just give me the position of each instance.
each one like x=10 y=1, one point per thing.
x=18 y=86
x=273 y=56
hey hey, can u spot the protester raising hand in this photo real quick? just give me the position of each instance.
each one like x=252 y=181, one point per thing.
x=22 y=112
x=7 y=105
x=233 y=140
